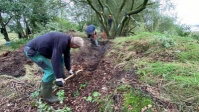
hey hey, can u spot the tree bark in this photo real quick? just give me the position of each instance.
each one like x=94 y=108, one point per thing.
x=28 y=31
x=20 y=29
x=3 y=29
x=5 y=33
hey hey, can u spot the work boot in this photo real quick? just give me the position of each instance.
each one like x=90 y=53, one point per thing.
x=46 y=92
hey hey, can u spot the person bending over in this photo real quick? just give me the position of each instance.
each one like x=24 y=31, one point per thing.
x=92 y=34
x=51 y=52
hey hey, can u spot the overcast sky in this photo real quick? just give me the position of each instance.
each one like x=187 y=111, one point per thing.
x=188 y=11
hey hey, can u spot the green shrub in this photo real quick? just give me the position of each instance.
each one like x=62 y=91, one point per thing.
x=165 y=41
x=59 y=25
x=195 y=37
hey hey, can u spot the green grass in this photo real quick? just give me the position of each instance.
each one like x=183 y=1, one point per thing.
x=189 y=52
x=14 y=45
x=180 y=72
x=134 y=100
x=12 y=36
x=178 y=77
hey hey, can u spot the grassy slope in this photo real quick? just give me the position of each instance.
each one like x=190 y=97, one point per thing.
x=170 y=62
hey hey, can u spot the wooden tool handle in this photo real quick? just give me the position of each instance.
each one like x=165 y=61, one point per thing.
x=72 y=75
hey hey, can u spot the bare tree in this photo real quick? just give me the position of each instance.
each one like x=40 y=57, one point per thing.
x=120 y=10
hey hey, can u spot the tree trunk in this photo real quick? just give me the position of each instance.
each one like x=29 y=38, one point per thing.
x=5 y=34
x=20 y=29
x=3 y=29
x=26 y=24
x=120 y=18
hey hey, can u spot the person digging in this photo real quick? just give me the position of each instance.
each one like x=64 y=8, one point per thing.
x=51 y=52
x=92 y=34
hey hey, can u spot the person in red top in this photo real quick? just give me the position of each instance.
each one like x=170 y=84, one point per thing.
x=56 y=47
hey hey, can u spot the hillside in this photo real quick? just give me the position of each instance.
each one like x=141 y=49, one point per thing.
x=147 y=72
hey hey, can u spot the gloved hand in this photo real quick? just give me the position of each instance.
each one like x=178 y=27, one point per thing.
x=60 y=82
x=71 y=72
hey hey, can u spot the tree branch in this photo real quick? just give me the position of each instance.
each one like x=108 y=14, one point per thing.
x=151 y=3
x=90 y=3
x=121 y=7
x=132 y=5
x=139 y=9
x=8 y=20
x=101 y=5
x=100 y=15
x=110 y=12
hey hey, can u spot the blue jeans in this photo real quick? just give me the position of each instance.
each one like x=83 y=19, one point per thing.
x=43 y=62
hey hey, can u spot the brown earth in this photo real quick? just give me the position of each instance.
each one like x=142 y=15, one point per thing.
x=98 y=74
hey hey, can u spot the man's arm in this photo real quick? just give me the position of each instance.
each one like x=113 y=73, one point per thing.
x=56 y=63
x=67 y=59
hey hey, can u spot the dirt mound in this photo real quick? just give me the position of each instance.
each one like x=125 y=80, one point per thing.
x=12 y=63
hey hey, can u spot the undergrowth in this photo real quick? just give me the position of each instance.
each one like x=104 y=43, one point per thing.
x=13 y=45
x=164 y=60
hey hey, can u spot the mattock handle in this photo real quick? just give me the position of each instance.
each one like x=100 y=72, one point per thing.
x=73 y=74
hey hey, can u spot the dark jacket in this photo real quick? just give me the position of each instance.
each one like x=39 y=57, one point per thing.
x=110 y=20
x=90 y=29
x=52 y=45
